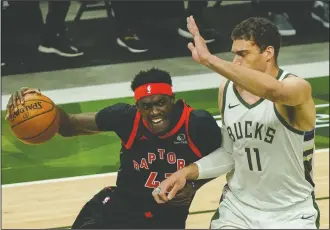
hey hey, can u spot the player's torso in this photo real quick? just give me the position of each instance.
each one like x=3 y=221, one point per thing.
x=151 y=159
x=269 y=158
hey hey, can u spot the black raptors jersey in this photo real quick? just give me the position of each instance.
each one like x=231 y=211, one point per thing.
x=146 y=159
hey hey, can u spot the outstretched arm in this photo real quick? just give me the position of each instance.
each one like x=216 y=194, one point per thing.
x=292 y=91
x=112 y=118
x=77 y=124
x=117 y=117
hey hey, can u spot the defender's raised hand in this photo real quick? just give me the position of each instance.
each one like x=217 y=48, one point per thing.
x=199 y=51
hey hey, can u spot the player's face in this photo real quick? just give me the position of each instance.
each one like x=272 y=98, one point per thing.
x=248 y=54
x=156 y=110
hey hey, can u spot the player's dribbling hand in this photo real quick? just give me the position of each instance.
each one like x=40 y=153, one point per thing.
x=19 y=96
x=168 y=188
x=199 y=51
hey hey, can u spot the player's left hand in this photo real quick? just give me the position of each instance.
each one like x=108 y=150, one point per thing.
x=199 y=51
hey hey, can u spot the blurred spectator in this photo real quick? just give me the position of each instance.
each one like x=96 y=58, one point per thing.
x=276 y=12
x=54 y=39
x=4 y=6
x=21 y=21
x=320 y=12
x=129 y=15
x=196 y=9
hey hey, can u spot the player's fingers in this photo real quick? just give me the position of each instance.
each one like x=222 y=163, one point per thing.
x=7 y=113
x=173 y=191
x=192 y=27
x=14 y=100
x=21 y=93
x=155 y=194
x=191 y=46
x=10 y=102
x=165 y=187
x=162 y=195
x=32 y=90
x=9 y=106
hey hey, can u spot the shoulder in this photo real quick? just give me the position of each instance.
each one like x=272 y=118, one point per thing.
x=204 y=131
x=122 y=108
x=200 y=114
x=202 y=120
x=292 y=80
x=115 y=117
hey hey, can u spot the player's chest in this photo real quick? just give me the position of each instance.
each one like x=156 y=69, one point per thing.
x=252 y=124
x=149 y=151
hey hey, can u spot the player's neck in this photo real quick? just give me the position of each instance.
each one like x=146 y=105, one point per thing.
x=273 y=70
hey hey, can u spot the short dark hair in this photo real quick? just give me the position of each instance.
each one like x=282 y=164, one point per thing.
x=152 y=75
x=259 y=30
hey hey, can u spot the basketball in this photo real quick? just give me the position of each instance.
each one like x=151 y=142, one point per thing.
x=36 y=121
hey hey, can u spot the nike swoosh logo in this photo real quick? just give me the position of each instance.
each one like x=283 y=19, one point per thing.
x=232 y=106
x=307 y=217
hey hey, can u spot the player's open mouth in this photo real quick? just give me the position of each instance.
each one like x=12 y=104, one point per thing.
x=156 y=121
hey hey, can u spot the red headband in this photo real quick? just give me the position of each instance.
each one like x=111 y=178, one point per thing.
x=152 y=89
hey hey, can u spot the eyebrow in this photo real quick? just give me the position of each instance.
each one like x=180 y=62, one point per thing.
x=151 y=103
x=240 y=51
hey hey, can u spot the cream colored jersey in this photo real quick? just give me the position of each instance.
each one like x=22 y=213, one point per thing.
x=273 y=161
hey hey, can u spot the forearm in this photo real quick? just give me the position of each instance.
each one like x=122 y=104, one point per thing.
x=215 y=164
x=75 y=124
x=253 y=81
x=66 y=128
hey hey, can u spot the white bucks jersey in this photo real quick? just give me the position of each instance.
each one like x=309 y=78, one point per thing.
x=273 y=161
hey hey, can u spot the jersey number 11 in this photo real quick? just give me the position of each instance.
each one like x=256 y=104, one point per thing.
x=248 y=153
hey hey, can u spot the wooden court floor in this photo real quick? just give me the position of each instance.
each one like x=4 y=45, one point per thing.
x=55 y=204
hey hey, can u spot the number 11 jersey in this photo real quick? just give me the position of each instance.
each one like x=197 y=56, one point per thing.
x=273 y=160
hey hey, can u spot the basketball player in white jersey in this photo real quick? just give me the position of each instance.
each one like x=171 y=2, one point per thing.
x=269 y=115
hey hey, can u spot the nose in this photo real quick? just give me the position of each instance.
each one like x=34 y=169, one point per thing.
x=154 y=110
x=237 y=60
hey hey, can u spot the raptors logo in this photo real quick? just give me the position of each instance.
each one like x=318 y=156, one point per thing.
x=149 y=89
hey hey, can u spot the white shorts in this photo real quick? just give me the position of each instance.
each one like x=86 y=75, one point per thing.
x=233 y=214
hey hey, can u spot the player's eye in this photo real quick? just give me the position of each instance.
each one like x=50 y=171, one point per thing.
x=146 y=106
x=161 y=103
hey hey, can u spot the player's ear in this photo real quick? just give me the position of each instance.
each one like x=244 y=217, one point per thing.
x=269 y=53
x=173 y=98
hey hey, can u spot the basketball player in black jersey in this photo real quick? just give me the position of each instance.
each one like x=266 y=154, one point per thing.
x=159 y=136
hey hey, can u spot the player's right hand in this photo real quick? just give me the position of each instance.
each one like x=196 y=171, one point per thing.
x=169 y=187
x=19 y=96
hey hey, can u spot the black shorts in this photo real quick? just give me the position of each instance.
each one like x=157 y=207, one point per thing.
x=110 y=209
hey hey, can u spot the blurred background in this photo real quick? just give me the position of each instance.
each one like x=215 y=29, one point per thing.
x=113 y=32
x=83 y=54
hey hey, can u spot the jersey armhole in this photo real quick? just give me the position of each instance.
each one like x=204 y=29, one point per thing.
x=223 y=106
x=132 y=136
x=280 y=117
x=288 y=126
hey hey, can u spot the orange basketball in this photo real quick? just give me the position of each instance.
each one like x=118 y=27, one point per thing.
x=36 y=121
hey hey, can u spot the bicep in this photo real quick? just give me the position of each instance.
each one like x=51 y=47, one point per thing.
x=85 y=122
x=77 y=124
x=292 y=91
